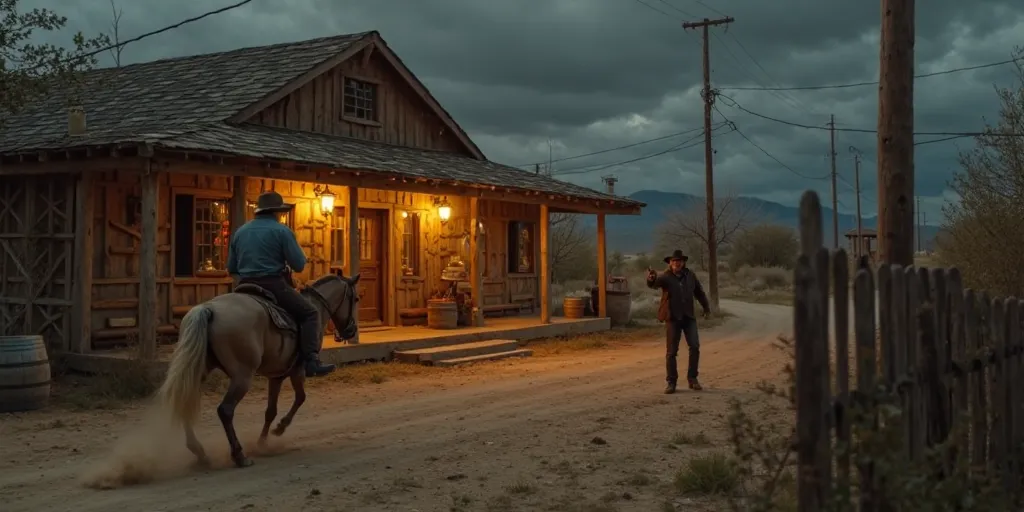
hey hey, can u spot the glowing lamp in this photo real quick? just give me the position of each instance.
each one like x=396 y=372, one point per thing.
x=444 y=211
x=327 y=203
x=326 y=199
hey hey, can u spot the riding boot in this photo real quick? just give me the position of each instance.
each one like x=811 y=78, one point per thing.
x=310 y=350
x=314 y=368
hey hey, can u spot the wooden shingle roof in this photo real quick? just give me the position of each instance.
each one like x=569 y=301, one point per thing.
x=186 y=104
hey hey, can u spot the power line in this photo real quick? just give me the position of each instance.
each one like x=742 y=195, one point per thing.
x=168 y=28
x=949 y=135
x=689 y=143
x=863 y=84
x=769 y=155
x=608 y=150
x=653 y=8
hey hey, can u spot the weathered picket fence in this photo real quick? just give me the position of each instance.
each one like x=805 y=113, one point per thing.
x=950 y=358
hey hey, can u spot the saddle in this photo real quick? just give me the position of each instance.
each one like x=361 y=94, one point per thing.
x=281 y=319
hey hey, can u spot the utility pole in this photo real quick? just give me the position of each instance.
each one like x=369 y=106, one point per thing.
x=856 y=187
x=835 y=200
x=917 y=208
x=896 y=133
x=709 y=180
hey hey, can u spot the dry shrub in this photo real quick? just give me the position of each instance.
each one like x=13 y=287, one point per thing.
x=766 y=245
x=776 y=278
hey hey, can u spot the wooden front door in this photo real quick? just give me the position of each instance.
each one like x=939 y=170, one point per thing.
x=372 y=263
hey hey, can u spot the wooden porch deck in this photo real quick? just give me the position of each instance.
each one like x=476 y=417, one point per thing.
x=379 y=343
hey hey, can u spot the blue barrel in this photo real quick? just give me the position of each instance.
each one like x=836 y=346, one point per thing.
x=24 y=373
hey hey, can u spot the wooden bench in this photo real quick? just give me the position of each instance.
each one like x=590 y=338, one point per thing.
x=412 y=316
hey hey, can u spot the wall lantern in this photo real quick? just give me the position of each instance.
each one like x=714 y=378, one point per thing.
x=326 y=199
x=405 y=214
x=444 y=209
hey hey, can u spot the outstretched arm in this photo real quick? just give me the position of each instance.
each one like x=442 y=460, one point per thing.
x=656 y=281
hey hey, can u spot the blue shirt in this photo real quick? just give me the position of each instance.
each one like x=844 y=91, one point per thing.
x=261 y=248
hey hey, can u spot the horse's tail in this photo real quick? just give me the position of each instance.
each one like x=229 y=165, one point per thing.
x=182 y=388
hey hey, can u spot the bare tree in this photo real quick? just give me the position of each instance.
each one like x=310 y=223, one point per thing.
x=571 y=248
x=687 y=228
x=115 y=34
x=982 y=237
x=29 y=71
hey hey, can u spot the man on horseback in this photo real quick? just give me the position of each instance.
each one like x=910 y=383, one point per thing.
x=258 y=253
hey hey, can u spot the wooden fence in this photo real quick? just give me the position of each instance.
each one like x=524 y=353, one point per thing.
x=950 y=358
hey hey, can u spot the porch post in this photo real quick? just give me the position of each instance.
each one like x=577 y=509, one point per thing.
x=85 y=213
x=150 y=181
x=602 y=268
x=545 y=270
x=476 y=269
x=352 y=258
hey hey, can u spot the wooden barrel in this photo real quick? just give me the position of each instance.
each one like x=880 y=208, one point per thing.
x=572 y=307
x=442 y=314
x=619 y=307
x=24 y=373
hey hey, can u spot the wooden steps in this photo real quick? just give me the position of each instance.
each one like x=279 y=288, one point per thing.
x=463 y=353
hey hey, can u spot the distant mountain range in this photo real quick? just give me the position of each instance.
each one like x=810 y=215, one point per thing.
x=636 y=233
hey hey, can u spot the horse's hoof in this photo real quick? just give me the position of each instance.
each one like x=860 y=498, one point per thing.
x=279 y=430
x=243 y=462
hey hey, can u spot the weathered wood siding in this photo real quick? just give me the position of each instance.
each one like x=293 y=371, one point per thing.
x=116 y=246
x=37 y=232
x=404 y=118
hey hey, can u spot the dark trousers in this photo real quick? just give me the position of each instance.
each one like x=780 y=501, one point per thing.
x=303 y=311
x=674 y=332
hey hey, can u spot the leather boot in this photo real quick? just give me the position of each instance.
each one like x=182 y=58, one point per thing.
x=670 y=388
x=314 y=368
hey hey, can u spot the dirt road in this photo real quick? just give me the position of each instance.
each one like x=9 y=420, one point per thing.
x=583 y=431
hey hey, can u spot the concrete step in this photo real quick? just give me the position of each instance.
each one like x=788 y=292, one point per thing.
x=432 y=354
x=522 y=352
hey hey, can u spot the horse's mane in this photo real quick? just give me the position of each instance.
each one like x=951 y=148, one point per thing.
x=323 y=279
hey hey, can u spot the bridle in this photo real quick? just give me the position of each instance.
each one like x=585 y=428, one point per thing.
x=333 y=313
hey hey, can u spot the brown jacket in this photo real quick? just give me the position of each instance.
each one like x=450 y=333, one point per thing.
x=677 y=294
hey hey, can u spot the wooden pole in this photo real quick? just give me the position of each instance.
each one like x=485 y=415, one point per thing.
x=602 y=268
x=85 y=213
x=150 y=183
x=709 y=181
x=239 y=202
x=476 y=282
x=856 y=180
x=545 y=265
x=896 y=133
x=352 y=258
x=917 y=209
x=835 y=199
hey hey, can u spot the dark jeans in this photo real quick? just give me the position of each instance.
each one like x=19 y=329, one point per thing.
x=674 y=331
x=304 y=313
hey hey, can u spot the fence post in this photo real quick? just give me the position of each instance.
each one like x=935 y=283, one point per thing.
x=810 y=332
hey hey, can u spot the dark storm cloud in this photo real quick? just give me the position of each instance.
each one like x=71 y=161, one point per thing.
x=576 y=76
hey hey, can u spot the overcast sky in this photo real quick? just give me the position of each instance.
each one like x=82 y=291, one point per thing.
x=580 y=76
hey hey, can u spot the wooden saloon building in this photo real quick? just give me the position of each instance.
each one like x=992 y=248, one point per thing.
x=115 y=213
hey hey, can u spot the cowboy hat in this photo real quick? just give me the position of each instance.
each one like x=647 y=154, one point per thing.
x=676 y=255
x=271 y=202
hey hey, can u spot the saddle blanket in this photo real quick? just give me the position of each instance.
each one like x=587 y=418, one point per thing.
x=281 y=319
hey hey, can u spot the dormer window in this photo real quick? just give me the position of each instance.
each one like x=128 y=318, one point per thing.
x=360 y=102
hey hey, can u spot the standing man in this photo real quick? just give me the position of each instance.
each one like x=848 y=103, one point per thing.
x=679 y=286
